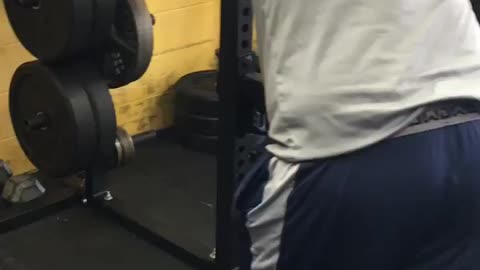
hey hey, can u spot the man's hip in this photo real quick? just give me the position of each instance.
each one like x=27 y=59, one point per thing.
x=409 y=202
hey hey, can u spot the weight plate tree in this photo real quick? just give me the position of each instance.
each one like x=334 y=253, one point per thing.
x=52 y=118
x=52 y=29
x=131 y=43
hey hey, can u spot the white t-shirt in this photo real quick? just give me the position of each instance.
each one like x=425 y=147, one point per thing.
x=343 y=74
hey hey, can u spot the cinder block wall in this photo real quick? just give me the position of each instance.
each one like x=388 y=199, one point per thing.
x=186 y=36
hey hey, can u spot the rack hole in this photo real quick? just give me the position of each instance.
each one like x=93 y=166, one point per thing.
x=240 y=163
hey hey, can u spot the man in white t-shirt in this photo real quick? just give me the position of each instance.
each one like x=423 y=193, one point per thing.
x=375 y=159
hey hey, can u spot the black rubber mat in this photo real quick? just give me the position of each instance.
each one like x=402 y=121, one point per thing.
x=171 y=191
x=57 y=196
x=79 y=239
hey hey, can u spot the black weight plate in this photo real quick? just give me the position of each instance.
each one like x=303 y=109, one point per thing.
x=196 y=93
x=104 y=12
x=64 y=142
x=191 y=123
x=200 y=143
x=103 y=109
x=51 y=29
x=129 y=54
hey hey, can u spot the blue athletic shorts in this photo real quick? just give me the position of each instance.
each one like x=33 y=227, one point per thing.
x=410 y=202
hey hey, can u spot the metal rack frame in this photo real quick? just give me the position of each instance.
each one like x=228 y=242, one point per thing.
x=236 y=119
x=235 y=122
x=235 y=56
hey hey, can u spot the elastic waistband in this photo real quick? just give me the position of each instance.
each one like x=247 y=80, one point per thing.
x=443 y=114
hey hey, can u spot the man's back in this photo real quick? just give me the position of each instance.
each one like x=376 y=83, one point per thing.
x=340 y=192
x=343 y=74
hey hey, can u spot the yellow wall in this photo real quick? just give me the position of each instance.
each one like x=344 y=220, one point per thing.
x=186 y=36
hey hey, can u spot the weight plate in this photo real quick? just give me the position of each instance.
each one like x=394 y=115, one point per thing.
x=196 y=93
x=191 y=123
x=103 y=111
x=52 y=118
x=53 y=29
x=129 y=54
x=104 y=12
x=200 y=143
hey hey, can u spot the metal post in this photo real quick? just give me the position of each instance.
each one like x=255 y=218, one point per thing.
x=476 y=8
x=94 y=184
x=235 y=45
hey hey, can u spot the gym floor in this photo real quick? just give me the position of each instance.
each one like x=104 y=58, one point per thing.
x=79 y=239
x=168 y=189
x=171 y=191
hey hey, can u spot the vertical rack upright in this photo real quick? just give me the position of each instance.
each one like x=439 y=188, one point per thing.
x=235 y=52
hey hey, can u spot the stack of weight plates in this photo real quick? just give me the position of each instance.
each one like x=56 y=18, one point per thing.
x=60 y=105
x=197 y=111
x=115 y=34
